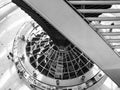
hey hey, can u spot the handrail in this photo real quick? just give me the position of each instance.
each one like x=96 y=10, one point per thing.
x=98 y=10
x=113 y=40
x=116 y=46
x=110 y=33
x=106 y=26
x=103 y=18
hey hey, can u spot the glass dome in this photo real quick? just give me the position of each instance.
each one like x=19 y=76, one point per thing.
x=40 y=60
x=55 y=61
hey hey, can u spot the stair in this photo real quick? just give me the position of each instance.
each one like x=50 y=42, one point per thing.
x=98 y=21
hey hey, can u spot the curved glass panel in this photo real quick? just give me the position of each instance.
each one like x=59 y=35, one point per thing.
x=54 y=61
